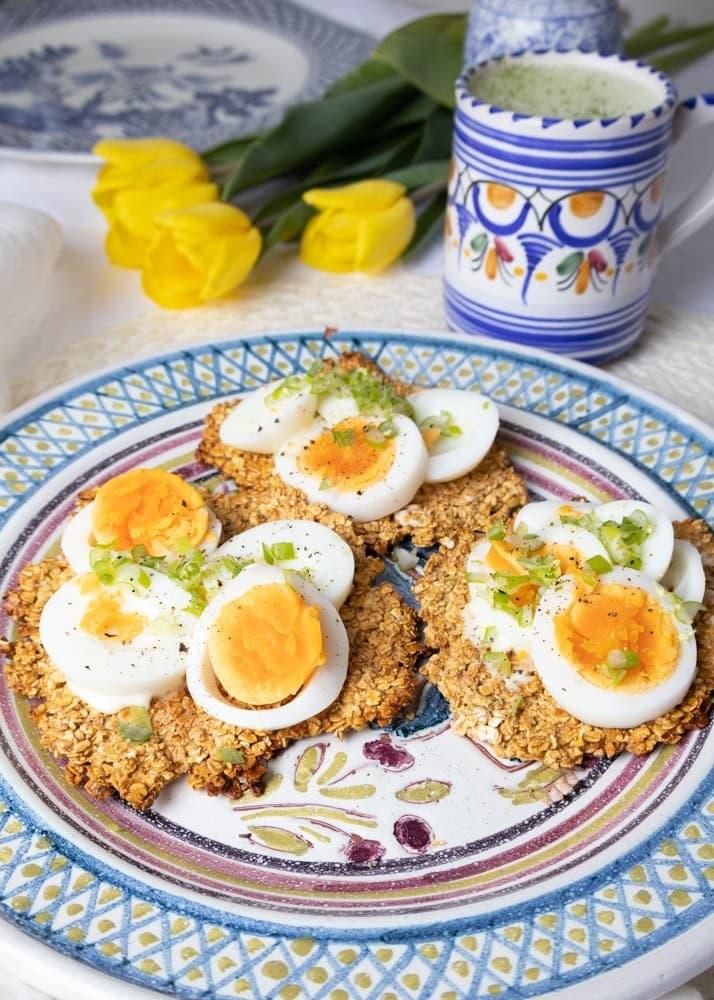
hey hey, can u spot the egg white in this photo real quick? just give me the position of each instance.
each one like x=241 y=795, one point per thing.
x=658 y=546
x=394 y=491
x=334 y=408
x=474 y=414
x=587 y=702
x=479 y=614
x=260 y=423
x=585 y=543
x=320 y=690
x=539 y=514
x=111 y=675
x=77 y=538
x=685 y=576
x=327 y=558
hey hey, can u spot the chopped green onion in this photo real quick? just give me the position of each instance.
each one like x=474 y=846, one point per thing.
x=510 y=582
x=229 y=755
x=502 y=602
x=443 y=423
x=374 y=437
x=598 y=564
x=516 y=705
x=478 y=578
x=278 y=552
x=343 y=439
x=525 y=615
x=388 y=429
x=134 y=724
x=489 y=635
x=497 y=531
x=325 y=484
x=692 y=609
x=542 y=570
x=499 y=662
x=290 y=386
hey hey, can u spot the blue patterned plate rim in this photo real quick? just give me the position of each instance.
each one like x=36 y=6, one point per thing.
x=696 y=923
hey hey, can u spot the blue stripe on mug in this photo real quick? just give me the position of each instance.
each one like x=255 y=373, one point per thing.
x=661 y=132
x=596 y=337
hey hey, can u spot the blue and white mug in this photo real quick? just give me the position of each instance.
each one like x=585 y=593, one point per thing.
x=554 y=228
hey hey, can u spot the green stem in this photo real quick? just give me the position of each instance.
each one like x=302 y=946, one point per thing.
x=666 y=39
x=643 y=35
x=671 y=62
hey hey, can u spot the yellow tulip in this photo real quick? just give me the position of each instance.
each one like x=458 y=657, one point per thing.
x=199 y=253
x=141 y=179
x=359 y=227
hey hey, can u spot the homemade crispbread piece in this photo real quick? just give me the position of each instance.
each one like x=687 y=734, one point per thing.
x=520 y=719
x=440 y=512
x=384 y=645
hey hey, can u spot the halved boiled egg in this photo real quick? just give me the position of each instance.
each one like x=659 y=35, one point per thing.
x=142 y=507
x=268 y=637
x=267 y=416
x=613 y=655
x=305 y=547
x=118 y=645
x=636 y=534
x=361 y=467
x=458 y=428
x=539 y=514
x=506 y=581
x=685 y=576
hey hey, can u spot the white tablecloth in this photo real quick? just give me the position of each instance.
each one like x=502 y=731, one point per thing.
x=88 y=297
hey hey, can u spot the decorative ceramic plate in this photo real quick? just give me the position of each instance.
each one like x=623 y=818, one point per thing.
x=403 y=864
x=73 y=71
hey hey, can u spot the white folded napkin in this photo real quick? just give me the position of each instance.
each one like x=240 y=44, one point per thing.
x=30 y=243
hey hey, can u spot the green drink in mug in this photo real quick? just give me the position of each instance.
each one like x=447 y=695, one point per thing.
x=555 y=220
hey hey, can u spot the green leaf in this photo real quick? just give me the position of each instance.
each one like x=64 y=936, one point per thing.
x=632 y=46
x=435 y=143
x=687 y=54
x=313 y=130
x=428 y=223
x=372 y=70
x=372 y=162
x=418 y=175
x=570 y=263
x=288 y=227
x=413 y=113
x=229 y=152
x=427 y=53
x=655 y=41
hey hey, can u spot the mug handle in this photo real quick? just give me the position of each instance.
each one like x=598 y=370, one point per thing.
x=698 y=208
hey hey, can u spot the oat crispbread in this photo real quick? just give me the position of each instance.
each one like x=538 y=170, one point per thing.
x=523 y=721
x=384 y=645
x=439 y=512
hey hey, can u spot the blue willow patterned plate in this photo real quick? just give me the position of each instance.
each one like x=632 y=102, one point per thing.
x=503 y=879
x=203 y=71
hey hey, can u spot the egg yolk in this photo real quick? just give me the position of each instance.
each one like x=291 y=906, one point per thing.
x=503 y=558
x=345 y=459
x=615 y=617
x=104 y=617
x=149 y=507
x=265 y=645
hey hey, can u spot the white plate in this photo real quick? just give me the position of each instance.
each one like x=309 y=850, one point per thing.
x=202 y=71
